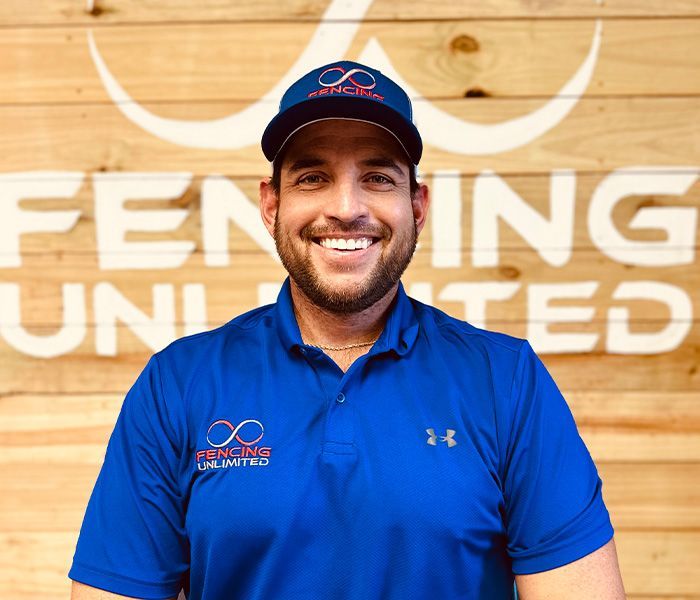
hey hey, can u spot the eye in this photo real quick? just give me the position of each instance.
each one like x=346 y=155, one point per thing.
x=310 y=179
x=379 y=178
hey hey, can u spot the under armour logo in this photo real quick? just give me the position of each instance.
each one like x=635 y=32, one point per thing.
x=449 y=438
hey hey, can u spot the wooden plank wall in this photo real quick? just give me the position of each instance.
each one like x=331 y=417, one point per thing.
x=485 y=62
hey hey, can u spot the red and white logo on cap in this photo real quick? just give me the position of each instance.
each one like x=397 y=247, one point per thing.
x=354 y=82
x=346 y=76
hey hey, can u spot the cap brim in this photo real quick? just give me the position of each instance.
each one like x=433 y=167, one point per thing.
x=285 y=124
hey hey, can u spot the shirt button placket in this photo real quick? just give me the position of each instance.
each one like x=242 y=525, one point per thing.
x=339 y=435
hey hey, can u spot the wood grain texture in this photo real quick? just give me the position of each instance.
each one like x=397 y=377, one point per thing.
x=639 y=415
x=35 y=564
x=652 y=496
x=49 y=12
x=598 y=135
x=661 y=563
x=441 y=60
x=626 y=427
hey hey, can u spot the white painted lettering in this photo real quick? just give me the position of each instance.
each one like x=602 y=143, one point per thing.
x=474 y=296
x=267 y=292
x=110 y=305
x=223 y=201
x=541 y=315
x=65 y=340
x=446 y=219
x=678 y=223
x=194 y=308
x=113 y=221
x=14 y=221
x=421 y=291
x=494 y=198
x=620 y=340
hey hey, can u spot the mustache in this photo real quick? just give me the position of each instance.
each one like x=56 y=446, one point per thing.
x=360 y=229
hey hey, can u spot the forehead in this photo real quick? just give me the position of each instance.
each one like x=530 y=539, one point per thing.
x=333 y=138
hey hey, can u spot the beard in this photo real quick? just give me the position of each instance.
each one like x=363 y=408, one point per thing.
x=357 y=296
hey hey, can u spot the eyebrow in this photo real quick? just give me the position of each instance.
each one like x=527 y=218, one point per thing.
x=306 y=162
x=309 y=162
x=384 y=162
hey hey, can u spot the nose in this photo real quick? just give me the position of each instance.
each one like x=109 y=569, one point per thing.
x=347 y=202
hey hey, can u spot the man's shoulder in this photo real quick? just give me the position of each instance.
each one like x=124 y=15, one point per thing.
x=454 y=330
x=233 y=333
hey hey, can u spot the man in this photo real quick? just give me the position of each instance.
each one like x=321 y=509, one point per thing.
x=346 y=442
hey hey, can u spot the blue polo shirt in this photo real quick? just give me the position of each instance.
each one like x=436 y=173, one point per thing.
x=246 y=464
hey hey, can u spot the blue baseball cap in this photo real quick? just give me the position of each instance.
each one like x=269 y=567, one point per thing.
x=344 y=90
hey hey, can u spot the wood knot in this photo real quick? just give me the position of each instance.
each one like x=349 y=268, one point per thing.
x=476 y=92
x=93 y=9
x=509 y=272
x=464 y=43
x=191 y=197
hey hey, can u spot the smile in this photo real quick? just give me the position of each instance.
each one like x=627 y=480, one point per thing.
x=345 y=243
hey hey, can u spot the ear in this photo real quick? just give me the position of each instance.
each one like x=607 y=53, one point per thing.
x=269 y=203
x=420 y=203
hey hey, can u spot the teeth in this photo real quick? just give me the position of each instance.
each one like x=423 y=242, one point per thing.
x=344 y=244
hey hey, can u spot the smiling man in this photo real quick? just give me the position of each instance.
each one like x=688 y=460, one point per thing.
x=346 y=442
x=345 y=231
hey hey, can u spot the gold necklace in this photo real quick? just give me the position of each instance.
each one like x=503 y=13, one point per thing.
x=348 y=347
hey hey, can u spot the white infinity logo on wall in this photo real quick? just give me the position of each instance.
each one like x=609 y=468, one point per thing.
x=347 y=76
x=438 y=128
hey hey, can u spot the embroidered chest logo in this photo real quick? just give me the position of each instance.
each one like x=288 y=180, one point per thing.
x=449 y=437
x=233 y=446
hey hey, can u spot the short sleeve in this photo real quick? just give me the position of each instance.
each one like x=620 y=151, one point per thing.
x=132 y=541
x=554 y=507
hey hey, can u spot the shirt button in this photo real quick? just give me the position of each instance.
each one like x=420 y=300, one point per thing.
x=340 y=398
x=303 y=351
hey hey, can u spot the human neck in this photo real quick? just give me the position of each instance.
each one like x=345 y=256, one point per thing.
x=319 y=326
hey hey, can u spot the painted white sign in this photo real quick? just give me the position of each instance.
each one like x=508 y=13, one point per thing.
x=331 y=41
x=223 y=204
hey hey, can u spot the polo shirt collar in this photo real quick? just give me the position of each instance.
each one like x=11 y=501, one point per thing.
x=399 y=334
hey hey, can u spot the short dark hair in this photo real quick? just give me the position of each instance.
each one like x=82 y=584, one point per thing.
x=275 y=180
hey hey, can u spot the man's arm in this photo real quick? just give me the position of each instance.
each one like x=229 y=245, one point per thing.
x=80 y=591
x=596 y=575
